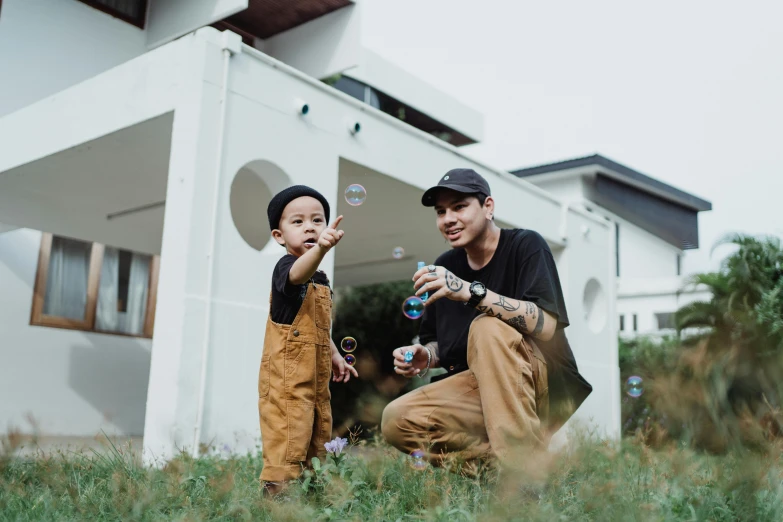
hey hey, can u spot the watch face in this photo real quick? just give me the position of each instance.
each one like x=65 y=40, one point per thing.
x=478 y=289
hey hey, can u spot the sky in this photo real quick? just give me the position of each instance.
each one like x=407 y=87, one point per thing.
x=688 y=92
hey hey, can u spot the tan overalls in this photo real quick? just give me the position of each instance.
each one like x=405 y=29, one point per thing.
x=293 y=388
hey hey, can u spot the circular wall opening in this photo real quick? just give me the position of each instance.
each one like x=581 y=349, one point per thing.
x=251 y=191
x=594 y=304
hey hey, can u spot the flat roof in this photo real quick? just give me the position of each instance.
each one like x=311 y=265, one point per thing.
x=624 y=175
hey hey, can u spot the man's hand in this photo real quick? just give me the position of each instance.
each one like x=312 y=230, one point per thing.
x=330 y=235
x=341 y=370
x=416 y=366
x=440 y=283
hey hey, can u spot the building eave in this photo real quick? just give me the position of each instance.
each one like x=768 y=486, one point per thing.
x=597 y=164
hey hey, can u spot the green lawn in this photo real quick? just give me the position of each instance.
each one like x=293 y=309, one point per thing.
x=596 y=482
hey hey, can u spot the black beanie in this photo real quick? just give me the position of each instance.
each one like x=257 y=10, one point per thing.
x=275 y=209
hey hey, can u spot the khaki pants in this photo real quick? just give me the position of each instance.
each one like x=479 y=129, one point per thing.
x=293 y=388
x=488 y=411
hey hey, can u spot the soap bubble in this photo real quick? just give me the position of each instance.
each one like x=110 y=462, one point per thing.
x=355 y=195
x=350 y=359
x=348 y=344
x=413 y=307
x=417 y=460
x=634 y=386
x=398 y=253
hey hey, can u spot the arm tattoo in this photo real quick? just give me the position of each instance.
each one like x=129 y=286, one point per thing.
x=518 y=322
x=507 y=305
x=540 y=322
x=530 y=308
x=453 y=282
x=490 y=312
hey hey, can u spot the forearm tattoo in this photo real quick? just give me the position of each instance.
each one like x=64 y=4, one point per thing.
x=530 y=314
x=507 y=304
x=453 y=282
x=539 y=322
x=489 y=311
x=518 y=322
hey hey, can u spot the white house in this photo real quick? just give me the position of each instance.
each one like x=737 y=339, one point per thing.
x=138 y=150
x=653 y=223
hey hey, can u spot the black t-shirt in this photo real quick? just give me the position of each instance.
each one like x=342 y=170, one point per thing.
x=521 y=268
x=287 y=298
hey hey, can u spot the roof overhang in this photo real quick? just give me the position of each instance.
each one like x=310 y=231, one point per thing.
x=267 y=18
x=597 y=164
x=390 y=79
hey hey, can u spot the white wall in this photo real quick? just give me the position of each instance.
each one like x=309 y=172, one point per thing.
x=647 y=297
x=592 y=333
x=73 y=383
x=648 y=282
x=567 y=189
x=322 y=47
x=644 y=255
x=49 y=45
x=167 y=20
x=645 y=308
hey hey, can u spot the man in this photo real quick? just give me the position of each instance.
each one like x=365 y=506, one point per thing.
x=494 y=319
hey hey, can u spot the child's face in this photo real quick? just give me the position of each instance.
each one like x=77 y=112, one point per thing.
x=300 y=225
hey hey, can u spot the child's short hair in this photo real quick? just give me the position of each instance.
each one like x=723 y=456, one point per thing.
x=275 y=209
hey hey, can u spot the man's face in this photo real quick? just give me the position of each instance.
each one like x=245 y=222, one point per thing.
x=461 y=219
x=300 y=225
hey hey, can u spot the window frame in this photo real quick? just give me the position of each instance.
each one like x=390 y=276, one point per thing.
x=117 y=14
x=38 y=318
x=666 y=317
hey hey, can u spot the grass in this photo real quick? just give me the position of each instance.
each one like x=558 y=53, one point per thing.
x=596 y=481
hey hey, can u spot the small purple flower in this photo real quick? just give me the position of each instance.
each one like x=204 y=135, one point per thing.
x=336 y=446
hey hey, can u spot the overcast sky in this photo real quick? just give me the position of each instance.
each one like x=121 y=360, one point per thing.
x=689 y=91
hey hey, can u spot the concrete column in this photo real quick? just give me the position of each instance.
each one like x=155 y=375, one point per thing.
x=216 y=261
x=194 y=166
x=586 y=267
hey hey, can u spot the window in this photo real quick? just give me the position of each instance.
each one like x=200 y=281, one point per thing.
x=622 y=322
x=385 y=103
x=132 y=11
x=92 y=287
x=635 y=323
x=666 y=321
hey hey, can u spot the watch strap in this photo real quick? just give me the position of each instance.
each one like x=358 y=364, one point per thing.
x=474 y=298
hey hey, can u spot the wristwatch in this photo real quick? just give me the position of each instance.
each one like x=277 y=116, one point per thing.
x=477 y=292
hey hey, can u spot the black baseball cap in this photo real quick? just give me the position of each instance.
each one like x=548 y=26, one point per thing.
x=467 y=181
